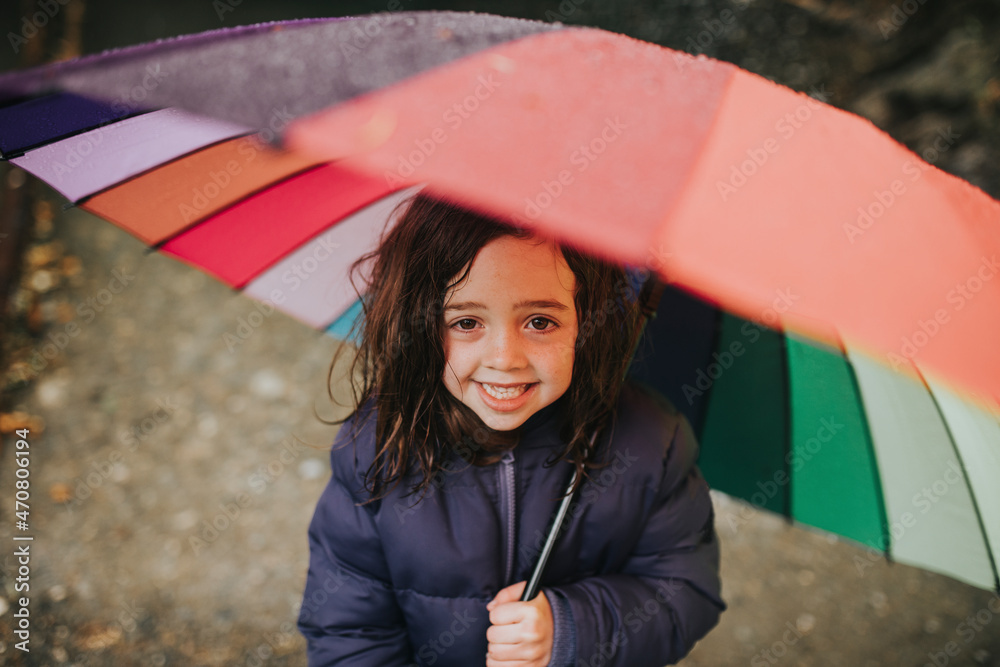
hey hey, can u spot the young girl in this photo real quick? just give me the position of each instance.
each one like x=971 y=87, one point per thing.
x=488 y=359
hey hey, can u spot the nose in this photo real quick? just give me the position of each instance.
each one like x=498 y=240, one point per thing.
x=505 y=350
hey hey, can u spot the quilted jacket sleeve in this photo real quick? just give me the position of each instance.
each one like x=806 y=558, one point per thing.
x=667 y=596
x=349 y=614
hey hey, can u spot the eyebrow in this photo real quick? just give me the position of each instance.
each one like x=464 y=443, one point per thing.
x=542 y=303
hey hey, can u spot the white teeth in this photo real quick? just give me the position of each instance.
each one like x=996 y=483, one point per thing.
x=505 y=393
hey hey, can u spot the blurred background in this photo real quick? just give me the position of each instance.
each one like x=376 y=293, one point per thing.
x=174 y=472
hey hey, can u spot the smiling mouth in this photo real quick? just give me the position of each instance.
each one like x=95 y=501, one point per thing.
x=505 y=393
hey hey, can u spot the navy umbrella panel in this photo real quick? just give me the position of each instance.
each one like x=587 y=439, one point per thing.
x=41 y=120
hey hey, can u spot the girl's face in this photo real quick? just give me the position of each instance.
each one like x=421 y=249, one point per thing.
x=510 y=331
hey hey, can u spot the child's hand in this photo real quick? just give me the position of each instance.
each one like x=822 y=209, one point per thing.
x=521 y=632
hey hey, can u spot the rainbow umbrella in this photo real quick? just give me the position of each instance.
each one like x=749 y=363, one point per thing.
x=868 y=397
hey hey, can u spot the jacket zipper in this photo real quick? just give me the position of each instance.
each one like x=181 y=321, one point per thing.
x=508 y=510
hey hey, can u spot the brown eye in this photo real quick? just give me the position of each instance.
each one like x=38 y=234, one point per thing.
x=466 y=324
x=541 y=323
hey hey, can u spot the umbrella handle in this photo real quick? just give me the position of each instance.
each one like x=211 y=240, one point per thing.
x=531 y=588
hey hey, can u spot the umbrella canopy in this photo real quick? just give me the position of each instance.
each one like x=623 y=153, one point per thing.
x=754 y=198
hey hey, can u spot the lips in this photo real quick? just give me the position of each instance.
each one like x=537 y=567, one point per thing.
x=506 y=398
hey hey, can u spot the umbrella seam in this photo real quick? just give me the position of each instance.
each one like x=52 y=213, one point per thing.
x=267 y=186
x=972 y=496
x=873 y=457
x=710 y=393
x=24 y=150
x=82 y=201
x=787 y=392
x=696 y=164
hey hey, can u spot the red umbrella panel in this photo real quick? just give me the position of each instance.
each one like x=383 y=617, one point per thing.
x=769 y=202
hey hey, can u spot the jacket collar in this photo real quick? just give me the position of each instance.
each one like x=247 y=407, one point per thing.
x=545 y=423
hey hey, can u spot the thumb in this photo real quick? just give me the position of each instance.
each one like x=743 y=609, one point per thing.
x=510 y=594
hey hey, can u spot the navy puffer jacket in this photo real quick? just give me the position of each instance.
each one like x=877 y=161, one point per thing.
x=392 y=584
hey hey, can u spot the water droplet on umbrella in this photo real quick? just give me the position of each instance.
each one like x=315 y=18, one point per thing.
x=376 y=131
x=502 y=63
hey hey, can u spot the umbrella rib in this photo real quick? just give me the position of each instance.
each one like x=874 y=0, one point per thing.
x=716 y=336
x=865 y=423
x=786 y=392
x=972 y=495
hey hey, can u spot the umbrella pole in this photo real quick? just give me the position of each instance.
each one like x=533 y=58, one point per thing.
x=531 y=589
x=649 y=297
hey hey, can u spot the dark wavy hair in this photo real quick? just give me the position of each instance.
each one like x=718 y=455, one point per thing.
x=400 y=363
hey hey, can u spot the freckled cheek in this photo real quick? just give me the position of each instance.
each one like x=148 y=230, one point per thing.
x=558 y=361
